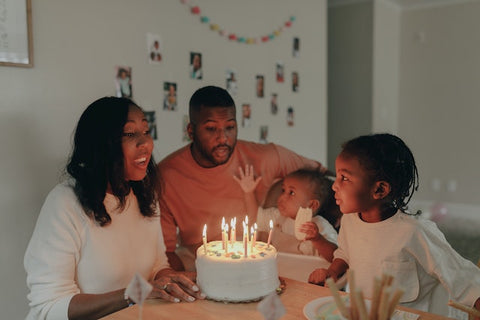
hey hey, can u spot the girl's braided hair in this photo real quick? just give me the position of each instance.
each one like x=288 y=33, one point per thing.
x=387 y=158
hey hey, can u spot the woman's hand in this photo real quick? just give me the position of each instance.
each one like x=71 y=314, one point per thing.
x=176 y=286
x=246 y=179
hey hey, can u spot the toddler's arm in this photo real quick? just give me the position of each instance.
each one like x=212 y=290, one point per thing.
x=324 y=247
x=335 y=271
x=248 y=183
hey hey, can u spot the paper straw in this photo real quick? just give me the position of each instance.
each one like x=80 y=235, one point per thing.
x=336 y=296
x=471 y=311
x=394 y=302
x=375 y=299
x=362 y=308
x=383 y=306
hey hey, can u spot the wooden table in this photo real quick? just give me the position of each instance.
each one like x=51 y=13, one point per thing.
x=294 y=298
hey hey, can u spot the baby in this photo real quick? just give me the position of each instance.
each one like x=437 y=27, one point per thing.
x=302 y=190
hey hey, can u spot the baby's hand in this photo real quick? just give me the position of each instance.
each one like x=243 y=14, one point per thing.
x=246 y=179
x=318 y=276
x=310 y=229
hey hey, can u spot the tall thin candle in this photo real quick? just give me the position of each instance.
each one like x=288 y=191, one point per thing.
x=270 y=234
x=223 y=233
x=233 y=234
x=226 y=238
x=204 y=236
x=245 y=240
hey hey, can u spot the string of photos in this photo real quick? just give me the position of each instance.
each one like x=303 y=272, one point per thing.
x=233 y=36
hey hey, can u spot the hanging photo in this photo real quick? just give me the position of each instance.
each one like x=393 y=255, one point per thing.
x=279 y=72
x=196 y=65
x=263 y=134
x=231 y=82
x=170 y=99
x=260 y=84
x=123 y=82
x=246 y=113
x=296 y=47
x=185 y=136
x=152 y=123
x=154 y=47
x=295 y=81
x=274 y=104
x=290 y=116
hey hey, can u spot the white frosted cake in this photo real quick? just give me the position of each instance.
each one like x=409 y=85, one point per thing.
x=230 y=276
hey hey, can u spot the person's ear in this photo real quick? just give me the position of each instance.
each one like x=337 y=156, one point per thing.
x=190 y=130
x=381 y=190
x=314 y=204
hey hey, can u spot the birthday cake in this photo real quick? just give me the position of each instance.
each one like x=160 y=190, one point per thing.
x=227 y=275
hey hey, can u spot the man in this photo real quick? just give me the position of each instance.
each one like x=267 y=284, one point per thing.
x=198 y=186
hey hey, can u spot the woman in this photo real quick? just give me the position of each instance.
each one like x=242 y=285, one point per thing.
x=99 y=228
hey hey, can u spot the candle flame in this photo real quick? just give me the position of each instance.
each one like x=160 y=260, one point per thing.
x=233 y=222
x=271 y=224
x=223 y=222
x=255 y=226
x=204 y=230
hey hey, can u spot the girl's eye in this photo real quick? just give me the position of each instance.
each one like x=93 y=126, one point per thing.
x=210 y=129
x=292 y=193
x=343 y=178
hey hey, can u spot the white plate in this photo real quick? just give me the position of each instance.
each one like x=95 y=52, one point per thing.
x=310 y=310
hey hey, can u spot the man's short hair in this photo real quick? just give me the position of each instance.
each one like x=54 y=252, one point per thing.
x=209 y=97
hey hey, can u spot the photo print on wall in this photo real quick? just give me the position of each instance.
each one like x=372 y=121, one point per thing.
x=263 y=134
x=154 y=47
x=259 y=85
x=246 y=113
x=296 y=47
x=123 y=82
x=196 y=65
x=274 y=104
x=231 y=82
x=295 y=81
x=185 y=136
x=170 y=98
x=152 y=123
x=290 y=116
x=279 y=72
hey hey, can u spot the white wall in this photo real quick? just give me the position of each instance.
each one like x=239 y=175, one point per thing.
x=77 y=44
x=350 y=48
x=426 y=89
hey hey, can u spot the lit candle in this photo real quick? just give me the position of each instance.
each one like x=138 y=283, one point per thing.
x=246 y=224
x=254 y=234
x=245 y=239
x=226 y=238
x=204 y=236
x=233 y=235
x=223 y=234
x=252 y=243
x=270 y=234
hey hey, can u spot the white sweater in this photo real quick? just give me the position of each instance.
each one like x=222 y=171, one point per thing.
x=69 y=253
x=416 y=253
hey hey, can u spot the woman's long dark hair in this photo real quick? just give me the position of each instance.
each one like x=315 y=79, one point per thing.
x=97 y=161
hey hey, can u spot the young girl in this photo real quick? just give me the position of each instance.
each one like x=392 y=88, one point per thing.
x=376 y=178
x=303 y=188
